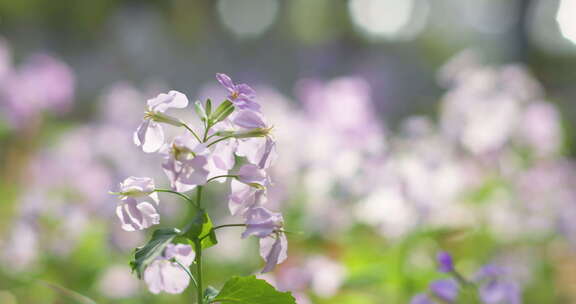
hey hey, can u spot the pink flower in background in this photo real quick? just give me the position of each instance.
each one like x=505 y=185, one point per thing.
x=165 y=274
x=42 y=83
x=273 y=250
x=137 y=211
x=262 y=222
x=150 y=135
x=241 y=95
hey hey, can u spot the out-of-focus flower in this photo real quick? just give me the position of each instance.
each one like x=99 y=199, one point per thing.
x=117 y=283
x=136 y=211
x=165 y=273
x=42 y=83
x=445 y=263
x=495 y=288
x=241 y=95
x=445 y=289
x=273 y=250
x=186 y=164
x=262 y=222
x=150 y=135
x=421 y=298
x=326 y=275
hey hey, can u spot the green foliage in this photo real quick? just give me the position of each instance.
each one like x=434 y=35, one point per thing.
x=224 y=110
x=249 y=290
x=201 y=228
x=209 y=294
x=146 y=254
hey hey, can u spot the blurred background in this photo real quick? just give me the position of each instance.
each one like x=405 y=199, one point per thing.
x=405 y=127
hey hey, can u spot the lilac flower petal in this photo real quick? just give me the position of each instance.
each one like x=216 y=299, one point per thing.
x=274 y=251
x=496 y=291
x=246 y=91
x=163 y=102
x=162 y=275
x=249 y=120
x=149 y=136
x=226 y=81
x=252 y=174
x=446 y=289
x=261 y=222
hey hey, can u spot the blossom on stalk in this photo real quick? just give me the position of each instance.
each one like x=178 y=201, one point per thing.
x=186 y=164
x=253 y=175
x=241 y=95
x=137 y=211
x=273 y=250
x=150 y=135
x=165 y=273
x=244 y=197
x=262 y=222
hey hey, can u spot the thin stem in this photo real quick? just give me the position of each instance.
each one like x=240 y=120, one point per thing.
x=219 y=140
x=206 y=129
x=199 y=196
x=199 y=288
x=219 y=176
x=192 y=131
x=188 y=199
x=222 y=226
x=187 y=272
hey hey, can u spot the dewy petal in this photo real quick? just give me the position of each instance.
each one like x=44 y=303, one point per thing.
x=226 y=81
x=249 y=120
x=274 y=251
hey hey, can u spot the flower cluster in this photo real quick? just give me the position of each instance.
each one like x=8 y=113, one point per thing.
x=232 y=130
x=488 y=286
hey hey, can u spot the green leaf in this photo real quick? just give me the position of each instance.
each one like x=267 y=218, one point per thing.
x=146 y=254
x=249 y=290
x=223 y=111
x=201 y=228
x=209 y=294
x=208 y=107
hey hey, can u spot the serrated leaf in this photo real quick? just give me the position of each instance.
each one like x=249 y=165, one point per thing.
x=249 y=290
x=201 y=228
x=147 y=253
x=222 y=112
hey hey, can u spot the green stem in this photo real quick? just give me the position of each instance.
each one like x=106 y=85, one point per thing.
x=192 y=131
x=222 y=226
x=219 y=140
x=187 y=272
x=188 y=199
x=199 y=288
x=220 y=176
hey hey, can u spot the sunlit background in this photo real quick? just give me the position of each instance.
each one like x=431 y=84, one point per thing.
x=405 y=127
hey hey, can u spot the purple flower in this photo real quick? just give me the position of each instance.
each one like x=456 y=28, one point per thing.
x=494 y=288
x=445 y=263
x=164 y=274
x=258 y=151
x=222 y=159
x=421 y=298
x=252 y=175
x=248 y=119
x=244 y=197
x=150 y=135
x=445 y=289
x=274 y=250
x=186 y=164
x=241 y=95
x=136 y=211
x=261 y=222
